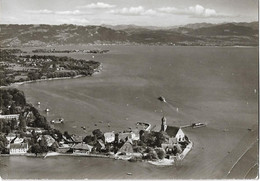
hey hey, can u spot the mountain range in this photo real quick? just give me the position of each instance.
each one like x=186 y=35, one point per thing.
x=200 y=34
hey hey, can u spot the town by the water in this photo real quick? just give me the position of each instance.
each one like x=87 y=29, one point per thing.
x=25 y=132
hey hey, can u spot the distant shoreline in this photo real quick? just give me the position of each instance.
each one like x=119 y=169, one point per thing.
x=96 y=71
x=128 y=44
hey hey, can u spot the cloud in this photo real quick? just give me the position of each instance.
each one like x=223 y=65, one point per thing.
x=98 y=5
x=41 y=11
x=46 y=11
x=134 y=11
x=75 y=12
x=193 y=11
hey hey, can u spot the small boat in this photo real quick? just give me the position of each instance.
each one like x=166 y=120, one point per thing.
x=83 y=127
x=198 y=125
x=60 y=120
x=38 y=103
x=129 y=173
x=161 y=98
x=47 y=110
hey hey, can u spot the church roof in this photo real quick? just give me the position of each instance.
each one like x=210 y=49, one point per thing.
x=172 y=130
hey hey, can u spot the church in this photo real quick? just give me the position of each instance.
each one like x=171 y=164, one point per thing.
x=176 y=134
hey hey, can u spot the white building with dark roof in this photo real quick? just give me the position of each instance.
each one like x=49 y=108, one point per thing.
x=173 y=131
x=109 y=137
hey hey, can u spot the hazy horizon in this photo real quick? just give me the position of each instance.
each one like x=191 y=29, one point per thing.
x=125 y=24
x=165 y=13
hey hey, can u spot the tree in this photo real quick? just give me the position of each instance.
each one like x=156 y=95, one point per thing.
x=2 y=147
x=160 y=138
x=161 y=153
x=178 y=148
x=22 y=124
x=19 y=98
x=152 y=155
x=43 y=144
x=36 y=148
x=88 y=139
x=7 y=129
x=13 y=124
x=148 y=138
x=66 y=134
x=1 y=125
x=97 y=133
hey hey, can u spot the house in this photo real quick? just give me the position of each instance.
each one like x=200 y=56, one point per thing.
x=122 y=137
x=64 y=148
x=127 y=147
x=10 y=137
x=10 y=116
x=109 y=137
x=173 y=131
x=82 y=148
x=18 y=140
x=18 y=149
x=49 y=139
x=100 y=145
x=31 y=129
x=77 y=139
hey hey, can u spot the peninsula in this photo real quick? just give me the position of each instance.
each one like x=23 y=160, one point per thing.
x=17 y=67
x=24 y=131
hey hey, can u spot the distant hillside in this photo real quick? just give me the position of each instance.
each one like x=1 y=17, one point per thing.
x=192 y=34
x=228 y=29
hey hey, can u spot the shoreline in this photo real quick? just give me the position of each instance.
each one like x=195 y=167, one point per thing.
x=96 y=71
x=129 y=44
x=41 y=80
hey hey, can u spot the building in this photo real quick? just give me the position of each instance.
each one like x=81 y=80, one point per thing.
x=100 y=145
x=82 y=148
x=77 y=139
x=10 y=116
x=18 y=140
x=10 y=137
x=173 y=131
x=109 y=137
x=31 y=129
x=18 y=149
x=49 y=139
x=127 y=147
x=122 y=137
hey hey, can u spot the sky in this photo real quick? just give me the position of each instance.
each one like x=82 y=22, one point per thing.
x=121 y=12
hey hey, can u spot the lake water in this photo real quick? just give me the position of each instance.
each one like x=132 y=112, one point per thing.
x=215 y=85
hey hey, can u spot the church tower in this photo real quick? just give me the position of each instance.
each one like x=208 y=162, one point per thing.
x=164 y=124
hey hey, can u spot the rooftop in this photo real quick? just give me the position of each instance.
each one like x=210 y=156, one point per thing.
x=172 y=130
x=19 y=146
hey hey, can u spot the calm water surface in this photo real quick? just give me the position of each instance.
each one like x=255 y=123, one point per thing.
x=206 y=84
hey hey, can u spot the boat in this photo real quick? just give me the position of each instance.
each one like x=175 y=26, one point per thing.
x=145 y=126
x=60 y=120
x=197 y=125
x=129 y=173
x=47 y=110
x=161 y=98
x=38 y=103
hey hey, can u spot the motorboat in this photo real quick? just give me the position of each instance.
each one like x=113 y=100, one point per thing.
x=161 y=98
x=197 y=125
x=58 y=121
